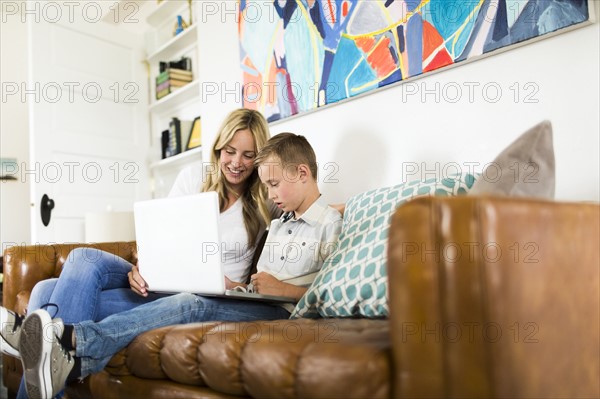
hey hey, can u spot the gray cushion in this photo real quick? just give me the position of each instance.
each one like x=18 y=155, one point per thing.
x=524 y=169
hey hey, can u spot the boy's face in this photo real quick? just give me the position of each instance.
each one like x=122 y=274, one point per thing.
x=285 y=186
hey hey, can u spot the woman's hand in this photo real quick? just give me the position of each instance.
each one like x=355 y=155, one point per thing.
x=266 y=284
x=341 y=208
x=137 y=283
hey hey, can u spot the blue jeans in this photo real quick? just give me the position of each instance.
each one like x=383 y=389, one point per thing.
x=93 y=284
x=97 y=342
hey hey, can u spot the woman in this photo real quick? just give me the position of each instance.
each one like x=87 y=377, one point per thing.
x=94 y=284
x=242 y=198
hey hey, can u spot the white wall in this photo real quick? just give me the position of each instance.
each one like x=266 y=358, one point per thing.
x=367 y=142
x=14 y=140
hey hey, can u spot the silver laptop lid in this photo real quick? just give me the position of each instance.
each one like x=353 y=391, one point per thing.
x=179 y=249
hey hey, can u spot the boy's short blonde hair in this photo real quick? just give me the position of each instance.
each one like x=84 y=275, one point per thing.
x=291 y=149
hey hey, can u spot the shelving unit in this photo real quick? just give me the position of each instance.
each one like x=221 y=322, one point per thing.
x=183 y=103
x=192 y=155
x=176 y=99
x=164 y=9
x=165 y=171
x=176 y=45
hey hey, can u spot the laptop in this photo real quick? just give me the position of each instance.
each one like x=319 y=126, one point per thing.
x=179 y=249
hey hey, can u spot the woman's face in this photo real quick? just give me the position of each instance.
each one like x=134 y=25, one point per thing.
x=237 y=159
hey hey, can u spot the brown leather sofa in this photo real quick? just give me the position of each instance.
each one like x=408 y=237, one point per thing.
x=489 y=297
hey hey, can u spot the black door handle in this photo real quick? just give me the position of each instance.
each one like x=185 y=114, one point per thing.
x=46 y=209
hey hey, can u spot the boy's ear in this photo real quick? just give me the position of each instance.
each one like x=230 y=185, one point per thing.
x=303 y=172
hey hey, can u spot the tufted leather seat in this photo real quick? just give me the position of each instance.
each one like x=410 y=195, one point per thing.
x=261 y=359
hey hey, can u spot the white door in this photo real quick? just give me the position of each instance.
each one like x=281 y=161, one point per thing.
x=88 y=124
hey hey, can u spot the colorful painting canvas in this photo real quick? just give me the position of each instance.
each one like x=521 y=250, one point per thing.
x=298 y=55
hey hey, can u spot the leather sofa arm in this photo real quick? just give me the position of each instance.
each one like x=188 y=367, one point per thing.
x=495 y=297
x=26 y=265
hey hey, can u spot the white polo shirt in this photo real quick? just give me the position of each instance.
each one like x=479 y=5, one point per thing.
x=297 y=247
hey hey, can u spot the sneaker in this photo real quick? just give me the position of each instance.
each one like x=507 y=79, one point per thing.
x=46 y=363
x=10 y=331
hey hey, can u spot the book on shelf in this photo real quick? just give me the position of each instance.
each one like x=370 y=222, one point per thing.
x=174 y=74
x=185 y=63
x=163 y=93
x=164 y=143
x=170 y=80
x=171 y=139
x=175 y=83
x=167 y=89
x=185 y=129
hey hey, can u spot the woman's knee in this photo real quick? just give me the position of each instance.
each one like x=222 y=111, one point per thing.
x=92 y=255
x=185 y=301
x=185 y=298
x=41 y=293
x=87 y=259
x=81 y=256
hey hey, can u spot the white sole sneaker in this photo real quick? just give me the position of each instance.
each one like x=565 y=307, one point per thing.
x=10 y=331
x=38 y=336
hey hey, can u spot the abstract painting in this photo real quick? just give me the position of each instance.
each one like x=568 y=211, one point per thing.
x=298 y=55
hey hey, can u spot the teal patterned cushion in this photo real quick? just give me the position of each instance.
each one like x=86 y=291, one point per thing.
x=353 y=280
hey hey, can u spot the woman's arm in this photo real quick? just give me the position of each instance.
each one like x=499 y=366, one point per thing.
x=339 y=207
x=188 y=181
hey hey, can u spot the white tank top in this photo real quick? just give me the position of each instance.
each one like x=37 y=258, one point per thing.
x=236 y=253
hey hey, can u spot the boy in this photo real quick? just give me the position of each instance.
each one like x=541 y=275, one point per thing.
x=297 y=244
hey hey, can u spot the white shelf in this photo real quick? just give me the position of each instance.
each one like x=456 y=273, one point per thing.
x=183 y=101
x=177 y=98
x=165 y=10
x=178 y=43
x=182 y=158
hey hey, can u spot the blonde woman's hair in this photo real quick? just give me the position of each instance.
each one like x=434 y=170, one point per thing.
x=254 y=198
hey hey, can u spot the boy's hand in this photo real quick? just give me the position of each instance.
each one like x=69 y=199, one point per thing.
x=266 y=284
x=229 y=285
x=137 y=283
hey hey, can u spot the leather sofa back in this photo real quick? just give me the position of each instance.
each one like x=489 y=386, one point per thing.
x=24 y=266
